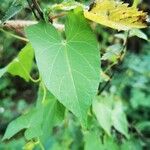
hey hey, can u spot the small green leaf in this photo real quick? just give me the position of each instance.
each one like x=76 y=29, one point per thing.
x=120 y=36
x=92 y=141
x=66 y=6
x=119 y=120
x=33 y=131
x=22 y=64
x=109 y=112
x=112 y=52
x=29 y=120
x=65 y=64
x=39 y=121
x=131 y=144
x=2 y=71
x=110 y=142
x=143 y=125
x=138 y=33
x=53 y=112
x=16 y=6
x=103 y=111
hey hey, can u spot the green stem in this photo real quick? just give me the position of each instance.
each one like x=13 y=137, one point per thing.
x=40 y=144
x=135 y=3
x=123 y=51
x=110 y=66
x=39 y=10
x=15 y=36
x=44 y=92
x=33 y=80
x=33 y=10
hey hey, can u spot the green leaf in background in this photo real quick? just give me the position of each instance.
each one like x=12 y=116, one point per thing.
x=26 y=121
x=22 y=64
x=103 y=113
x=15 y=7
x=139 y=64
x=38 y=122
x=133 y=32
x=66 y=5
x=33 y=131
x=92 y=141
x=112 y=52
x=120 y=36
x=2 y=71
x=15 y=144
x=53 y=112
x=119 y=120
x=109 y=112
x=139 y=99
x=143 y=125
x=131 y=145
x=110 y=142
x=138 y=33
x=69 y=67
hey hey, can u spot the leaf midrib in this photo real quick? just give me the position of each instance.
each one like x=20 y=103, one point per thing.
x=71 y=75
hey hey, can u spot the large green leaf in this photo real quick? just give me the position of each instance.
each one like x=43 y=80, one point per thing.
x=22 y=64
x=69 y=67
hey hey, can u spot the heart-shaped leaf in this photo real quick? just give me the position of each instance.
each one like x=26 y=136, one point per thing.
x=69 y=67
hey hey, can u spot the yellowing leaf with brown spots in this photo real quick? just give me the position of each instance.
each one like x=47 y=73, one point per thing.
x=117 y=15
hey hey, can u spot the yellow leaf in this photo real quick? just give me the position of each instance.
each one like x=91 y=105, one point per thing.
x=117 y=15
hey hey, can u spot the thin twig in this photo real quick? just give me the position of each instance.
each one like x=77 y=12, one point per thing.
x=100 y=90
x=18 y=24
x=106 y=84
x=32 y=9
x=39 y=10
x=57 y=16
x=15 y=36
x=21 y=24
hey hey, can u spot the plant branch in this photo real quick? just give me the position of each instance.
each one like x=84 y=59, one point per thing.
x=33 y=10
x=14 y=35
x=39 y=10
x=21 y=24
x=57 y=16
x=101 y=89
x=113 y=65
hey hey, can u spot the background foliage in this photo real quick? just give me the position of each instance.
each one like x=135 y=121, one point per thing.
x=121 y=111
